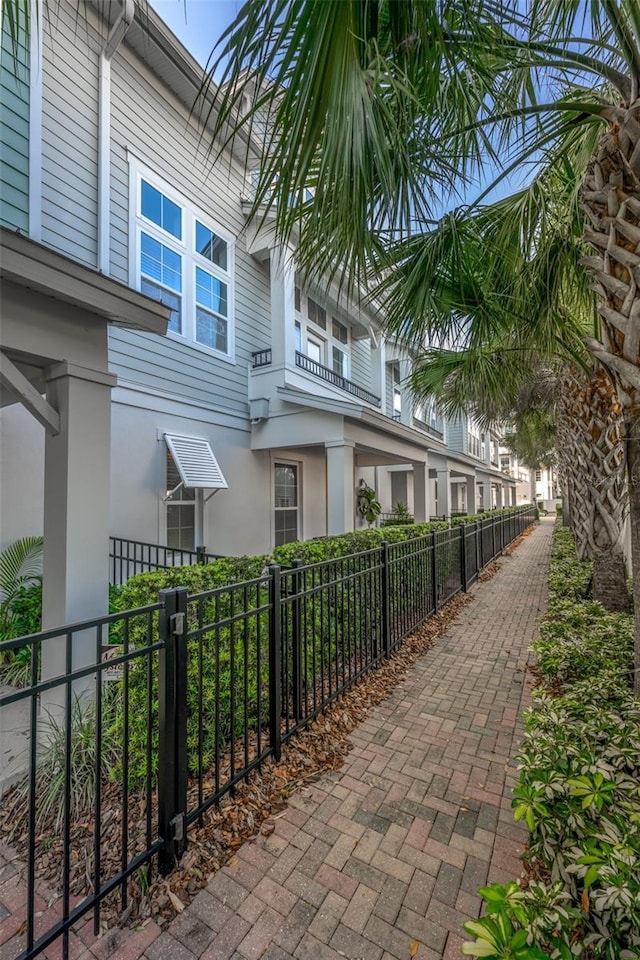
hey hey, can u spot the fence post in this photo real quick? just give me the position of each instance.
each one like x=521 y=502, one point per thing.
x=275 y=661
x=172 y=717
x=434 y=569
x=296 y=643
x=201 y=554
x=493 y=536
x=463 y=558
x=385 y=598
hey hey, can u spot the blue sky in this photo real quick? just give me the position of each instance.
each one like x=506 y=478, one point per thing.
x=197 y=23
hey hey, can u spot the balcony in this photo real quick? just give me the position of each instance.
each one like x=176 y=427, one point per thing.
x=262 y=358
x=329 y=376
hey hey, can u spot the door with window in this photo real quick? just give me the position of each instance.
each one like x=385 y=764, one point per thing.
x=286 y=502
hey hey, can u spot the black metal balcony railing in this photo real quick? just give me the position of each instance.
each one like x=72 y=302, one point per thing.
x=427 y=428
x=261 y=358
x=324 y=373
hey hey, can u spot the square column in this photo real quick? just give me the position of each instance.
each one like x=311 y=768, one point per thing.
x=443 y=492
x=76 y=508
x=471 y=495
x=498 y=495
x=485 y=487
x=421 y=492
x=283 y=310
x=340 y=487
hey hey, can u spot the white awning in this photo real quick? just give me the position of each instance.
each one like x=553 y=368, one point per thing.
x=196 y=463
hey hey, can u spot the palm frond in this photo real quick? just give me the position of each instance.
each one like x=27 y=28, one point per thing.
x=20 y=564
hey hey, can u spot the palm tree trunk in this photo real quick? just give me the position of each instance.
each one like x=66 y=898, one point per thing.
x=610 y=197
x=592 y=438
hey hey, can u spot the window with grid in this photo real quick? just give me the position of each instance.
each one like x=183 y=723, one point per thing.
x=181 y=510
x=184 y=260
x=286 y=502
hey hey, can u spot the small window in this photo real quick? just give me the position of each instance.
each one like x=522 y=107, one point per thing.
x=339 y=330
x=538 y=476
x=316 y=313
x=297 y=299
x=181 y=510
x=161 y=277
x=210 y=246
x=339 y=361
x=286 y=502
x=160 y=210
x=315 y=350
x=298 y=337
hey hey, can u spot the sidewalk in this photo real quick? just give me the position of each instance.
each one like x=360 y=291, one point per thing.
x=382 y=859
x=392 y=848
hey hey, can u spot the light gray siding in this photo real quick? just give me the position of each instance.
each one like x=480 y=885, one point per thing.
x=71 y=48
x=457 y=435
x=154 y=127
x=361 y=363
x=14 y=133
x=387 y=400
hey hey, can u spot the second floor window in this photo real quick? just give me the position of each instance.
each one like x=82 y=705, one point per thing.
x=184 y=260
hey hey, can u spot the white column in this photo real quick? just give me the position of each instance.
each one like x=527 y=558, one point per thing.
x=486 y=495
x=498 y=495
x=283 y=311
x=421 y=491
x=76 y=507
x=443 y=492
x=340 y=487
x=471 y=495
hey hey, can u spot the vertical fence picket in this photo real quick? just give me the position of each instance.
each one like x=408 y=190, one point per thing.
x=385 y=599
x=275 y=660
x=172 y=714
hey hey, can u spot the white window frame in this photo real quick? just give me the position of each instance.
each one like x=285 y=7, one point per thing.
x=181 y=504
x=186 y=249
x=321 y=336
x=284 y=462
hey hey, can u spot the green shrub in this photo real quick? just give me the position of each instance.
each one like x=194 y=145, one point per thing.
x=577 y=790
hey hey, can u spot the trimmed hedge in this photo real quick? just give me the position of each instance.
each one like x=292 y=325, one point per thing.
x=577 y=790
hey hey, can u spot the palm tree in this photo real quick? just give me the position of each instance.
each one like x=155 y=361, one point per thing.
x=374 y=105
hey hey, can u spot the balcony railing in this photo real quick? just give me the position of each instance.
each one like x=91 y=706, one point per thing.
x=261 y=358
x=427 y=428
x=324 y=373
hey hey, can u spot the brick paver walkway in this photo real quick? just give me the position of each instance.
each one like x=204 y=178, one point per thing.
x=382 y=860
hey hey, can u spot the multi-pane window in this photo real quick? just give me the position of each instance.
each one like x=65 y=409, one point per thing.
x=183 y=261
x=339 y=330
x=181 y=510
x=286 y=502
x=316 y=314
x=339 y=361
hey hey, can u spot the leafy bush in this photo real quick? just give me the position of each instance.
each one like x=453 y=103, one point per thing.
x=577 y=790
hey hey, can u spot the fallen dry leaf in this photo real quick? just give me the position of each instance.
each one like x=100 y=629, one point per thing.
x=415 y=946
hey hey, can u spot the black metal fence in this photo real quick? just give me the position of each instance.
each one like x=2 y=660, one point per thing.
x=166 y=707
x=128 y=557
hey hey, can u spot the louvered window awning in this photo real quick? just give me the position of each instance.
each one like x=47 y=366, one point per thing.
x=196 y=463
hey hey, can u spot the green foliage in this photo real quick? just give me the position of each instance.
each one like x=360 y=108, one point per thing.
x=368 y=505
x=21 y=605
x=20 y=567
x=51 y=765
x=577 y=790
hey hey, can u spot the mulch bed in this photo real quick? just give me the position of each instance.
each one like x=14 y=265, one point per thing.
x=251 y=809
